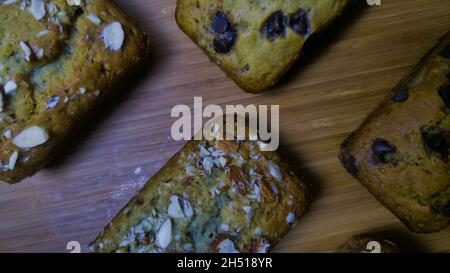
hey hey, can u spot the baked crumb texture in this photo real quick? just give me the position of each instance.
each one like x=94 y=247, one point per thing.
x=401 y=152
x=58 y=60
x=213 y=196
x=255 y=42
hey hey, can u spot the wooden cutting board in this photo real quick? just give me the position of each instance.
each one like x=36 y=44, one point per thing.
x=340 y=79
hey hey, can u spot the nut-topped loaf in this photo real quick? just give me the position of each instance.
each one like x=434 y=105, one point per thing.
x=368 y=244
x=401 y=152
x=255 y=42
x=213 y=196
x=58 y=60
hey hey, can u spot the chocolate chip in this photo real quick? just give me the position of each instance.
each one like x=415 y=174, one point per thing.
x=381 y=148
x=226 y=33
x=401 y=95
x=299 y=22
x=446 y=209
x=436 y=142
x=276 y=25
x=446 y=52
x=220 y=23
x=444 y=92
x=349 y=163
x=225 y=42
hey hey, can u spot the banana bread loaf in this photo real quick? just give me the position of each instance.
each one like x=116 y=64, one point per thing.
x=401 y=152
x=255 y=42
x=213 y=196
x=58 y=60
x=364 y=244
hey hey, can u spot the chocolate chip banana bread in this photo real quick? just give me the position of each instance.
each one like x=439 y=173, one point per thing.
x=213 y=196
x=58 y=60
x=401 y=152
x=255 y=42
x=362 y=244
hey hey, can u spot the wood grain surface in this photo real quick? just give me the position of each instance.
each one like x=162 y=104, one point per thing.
x=342 y=76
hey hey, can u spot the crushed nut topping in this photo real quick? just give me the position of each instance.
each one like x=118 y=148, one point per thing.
x=31 y=137
x=164 y=235
x=227 y=246
x=94 y=19
x=7 y=2
x=290 y=219
x=13 y=160
x=42 y=33
x=52 y=102
x=10 y=87
x=26 y=51
x=113 y=36
x=37 y=51
x=275 y=171
x=7 y=134
x=37 y=9
x=74 y=2
x=180 y=207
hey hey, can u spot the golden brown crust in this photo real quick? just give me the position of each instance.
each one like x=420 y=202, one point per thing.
x=412 y=178
x=68 y=74
x=255 y=62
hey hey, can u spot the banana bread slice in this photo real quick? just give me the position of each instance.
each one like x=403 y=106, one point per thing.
x=255 y=42
x=213 y=196
x=401 y=152
x=59 y=60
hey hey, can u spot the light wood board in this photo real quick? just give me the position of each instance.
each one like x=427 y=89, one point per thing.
x=340 y=79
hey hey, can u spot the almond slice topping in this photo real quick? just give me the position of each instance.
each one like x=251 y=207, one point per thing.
x=113 y=36
x=13 y=160
x=31 y=137
x=37 y=9
x=164 y=236
x=239 y=180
